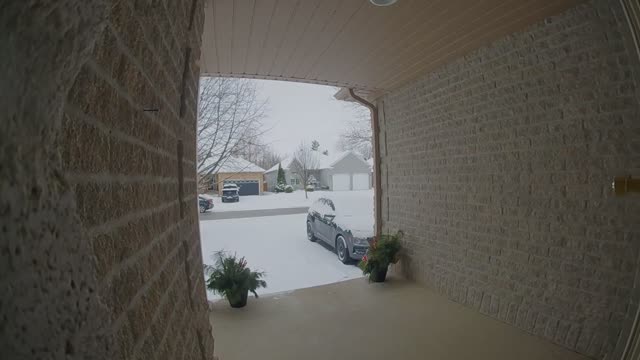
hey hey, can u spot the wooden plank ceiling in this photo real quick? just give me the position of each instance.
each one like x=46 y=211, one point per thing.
x=352 y=43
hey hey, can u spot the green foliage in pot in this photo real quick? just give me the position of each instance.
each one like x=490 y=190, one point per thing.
x=231 y=278
x=381 y=253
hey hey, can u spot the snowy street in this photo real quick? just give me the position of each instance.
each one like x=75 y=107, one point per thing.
x=284 y=200
x=277 y=245
x=223 y=215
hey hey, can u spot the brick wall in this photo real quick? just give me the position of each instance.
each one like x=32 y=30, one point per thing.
x=498 y=169
x=133 y=175
x=48 y=304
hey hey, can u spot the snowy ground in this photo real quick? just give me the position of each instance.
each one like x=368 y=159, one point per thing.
x=284 y=200
x=277 y=245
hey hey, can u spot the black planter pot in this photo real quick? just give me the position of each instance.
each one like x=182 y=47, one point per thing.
x=238 y=299
x=378 y=275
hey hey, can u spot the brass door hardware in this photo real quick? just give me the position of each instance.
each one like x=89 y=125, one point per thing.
x=622 y=185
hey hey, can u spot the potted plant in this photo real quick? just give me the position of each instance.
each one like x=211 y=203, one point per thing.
x=231 y=278
x=381 y=253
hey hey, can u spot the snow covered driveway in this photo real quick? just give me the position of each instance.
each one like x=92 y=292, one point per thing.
x=277 y=245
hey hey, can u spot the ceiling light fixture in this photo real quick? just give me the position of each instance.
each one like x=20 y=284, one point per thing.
x=383 y=2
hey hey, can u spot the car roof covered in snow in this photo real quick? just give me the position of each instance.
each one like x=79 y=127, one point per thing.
x=352 y=213
x=322 y=206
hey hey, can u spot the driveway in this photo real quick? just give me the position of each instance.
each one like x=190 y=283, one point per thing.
x=277 y=245
x=270 y=231
x=210 y=215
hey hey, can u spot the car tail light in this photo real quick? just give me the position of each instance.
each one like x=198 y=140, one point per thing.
x=210 y=201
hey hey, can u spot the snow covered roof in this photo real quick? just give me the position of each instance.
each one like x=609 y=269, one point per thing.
x=327 y=161
x=324 y=161
x=238 y=165
x=285 y=164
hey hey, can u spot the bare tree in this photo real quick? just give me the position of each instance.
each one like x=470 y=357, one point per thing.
x=305 y=165
x=269 y=158
x=259 y=154
x=250 y=146
x=359 y=135
x=229 y=119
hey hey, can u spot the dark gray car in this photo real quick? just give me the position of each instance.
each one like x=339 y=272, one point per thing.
x=345 y=228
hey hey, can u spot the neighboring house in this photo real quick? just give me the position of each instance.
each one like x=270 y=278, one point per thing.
x=343 y=171
x=247 y=175
x=271 y=175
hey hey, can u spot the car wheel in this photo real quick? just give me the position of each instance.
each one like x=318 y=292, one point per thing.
x=310 y=235
x=202 y=209
x=342 y=250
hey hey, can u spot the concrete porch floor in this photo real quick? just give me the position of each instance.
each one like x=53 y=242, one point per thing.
x=335 y=322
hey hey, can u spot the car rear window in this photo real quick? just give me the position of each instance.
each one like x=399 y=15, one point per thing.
x=229 y=192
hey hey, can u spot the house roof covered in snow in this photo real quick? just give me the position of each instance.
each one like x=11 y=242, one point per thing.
x=238 y=165
x=328 y=161
x=285 y=164
x=324 y=161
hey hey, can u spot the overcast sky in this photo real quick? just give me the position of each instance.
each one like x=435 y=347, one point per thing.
x=303 y=112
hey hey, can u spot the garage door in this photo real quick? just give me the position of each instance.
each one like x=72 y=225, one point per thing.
x=341 y=182
x=360 y=181
x=247 y=187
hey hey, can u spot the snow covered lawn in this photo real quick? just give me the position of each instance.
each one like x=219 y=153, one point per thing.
x=284 y=200
x=277 y=245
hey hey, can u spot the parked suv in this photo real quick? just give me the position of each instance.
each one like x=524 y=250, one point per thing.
x=230 y=193
x=345 y=226
x=204 y=204
x=230 y=186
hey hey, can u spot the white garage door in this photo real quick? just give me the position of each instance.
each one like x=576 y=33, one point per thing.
x=341 y=182
x=360 y=181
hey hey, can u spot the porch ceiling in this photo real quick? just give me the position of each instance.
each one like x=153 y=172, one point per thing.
x=352 y=43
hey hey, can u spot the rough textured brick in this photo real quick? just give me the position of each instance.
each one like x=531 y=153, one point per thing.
x=44 y=253
x=497 y=168
x=122 y=165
